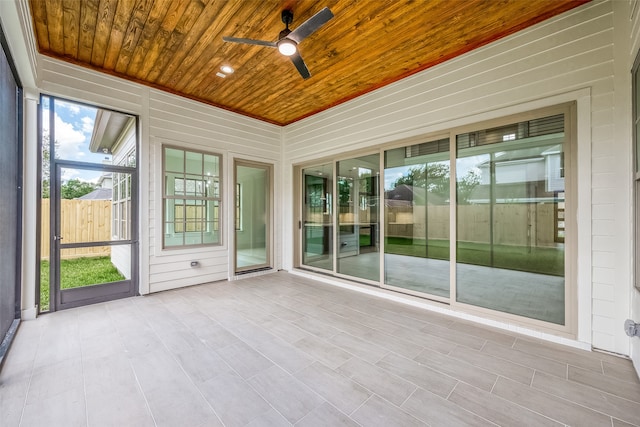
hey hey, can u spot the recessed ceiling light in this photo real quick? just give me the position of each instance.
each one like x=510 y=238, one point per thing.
x=227 y=69
x=219 y=74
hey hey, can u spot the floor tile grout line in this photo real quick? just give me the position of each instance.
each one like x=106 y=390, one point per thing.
x=133 y=370
x=414 y=390
x=84 y=380
x=245 y=380
x=83 y=350
x=361 y=405
x=599 y=390
x=524 y=408
x=175 y=359
x=494 y=383
x=454 y=388
x=274 y=363
x=526 y=366
x=573 y=402
x=31 y=372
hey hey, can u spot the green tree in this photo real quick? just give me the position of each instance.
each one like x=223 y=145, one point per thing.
x=45 y=168
x=75 y=188
x=435 y=177
x=466 y=185
x=46 y=165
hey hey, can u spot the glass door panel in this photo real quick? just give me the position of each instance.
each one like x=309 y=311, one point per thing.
x=357 y=208
x=252 y=194
x=92 y=239
x=510 y=219
x=317 y=217
x=417 y=218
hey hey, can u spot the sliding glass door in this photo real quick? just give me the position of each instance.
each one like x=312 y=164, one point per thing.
x=358 y=229
x=317 y=217
x=340 y=229
x=511 y=218
x=477 y=219
x=416 y=200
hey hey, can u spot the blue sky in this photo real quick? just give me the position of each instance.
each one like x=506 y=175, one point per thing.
x=74 y=126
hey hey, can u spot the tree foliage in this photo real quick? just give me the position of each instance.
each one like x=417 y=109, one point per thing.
x=46 y=164
x=435 y=177
x=74 y=188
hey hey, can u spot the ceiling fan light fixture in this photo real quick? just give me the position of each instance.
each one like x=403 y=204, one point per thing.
x=287 y=47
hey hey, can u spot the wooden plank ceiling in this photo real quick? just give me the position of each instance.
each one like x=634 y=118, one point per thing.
x=177 y=46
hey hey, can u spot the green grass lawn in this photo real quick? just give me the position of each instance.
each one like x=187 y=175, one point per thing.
x=75 y=273
x=536 y=260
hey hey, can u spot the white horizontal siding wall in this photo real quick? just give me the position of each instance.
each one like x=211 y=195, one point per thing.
x=166 y=118
x=185 y=123
x=631 y=13
x=569 y=56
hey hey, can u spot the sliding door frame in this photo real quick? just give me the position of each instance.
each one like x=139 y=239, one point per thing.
x=569 y=109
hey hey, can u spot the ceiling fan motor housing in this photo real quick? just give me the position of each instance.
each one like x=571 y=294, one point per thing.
x=287 y=17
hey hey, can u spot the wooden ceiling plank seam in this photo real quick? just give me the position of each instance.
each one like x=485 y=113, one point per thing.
x=71 y=18
x=174 y=42
x=176 y=46
x=88 y=18
x=121 y=19
x=178 y=64
x=389 y=79
x=55 y=26
x=285 y=73
x=171 y=19
x=305 y=96
x=230 y=53
x=40 y=24
x=132 y=35
x=361 y=91
x=149 y=33
x=104 y=23
x=243 y=59
x=201 y=52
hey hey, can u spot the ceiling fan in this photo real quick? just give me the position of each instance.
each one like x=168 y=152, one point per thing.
x=288 y=40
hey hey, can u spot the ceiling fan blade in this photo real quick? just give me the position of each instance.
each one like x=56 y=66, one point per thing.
x=309 y=26
x=250 y=41
x=300 y=65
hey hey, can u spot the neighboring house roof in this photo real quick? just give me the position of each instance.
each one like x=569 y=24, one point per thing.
x=405 y=195
x=97 y=194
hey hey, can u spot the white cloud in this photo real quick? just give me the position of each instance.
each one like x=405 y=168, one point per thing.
x=81 y=175
x=69 y=140
x=72 y=108
x=87 y=124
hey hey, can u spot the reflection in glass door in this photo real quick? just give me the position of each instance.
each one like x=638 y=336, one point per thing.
x=357 y=208
x=252 y=195
x=317 y=217
x=511 y=218
x=416 y=194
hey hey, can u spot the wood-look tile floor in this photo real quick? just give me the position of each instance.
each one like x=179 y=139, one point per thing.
x=281 y=350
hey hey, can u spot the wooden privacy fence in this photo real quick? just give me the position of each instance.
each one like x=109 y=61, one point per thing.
x=522 y=224
x=80 y=221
